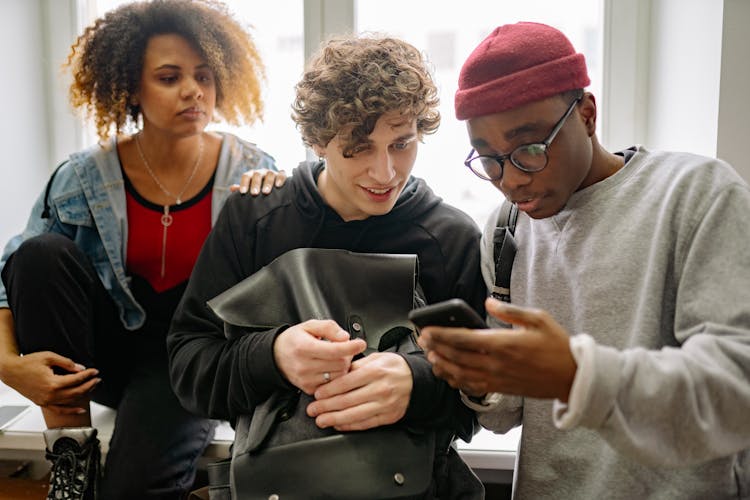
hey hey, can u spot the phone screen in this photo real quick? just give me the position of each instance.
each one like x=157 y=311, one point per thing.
x=11 y=413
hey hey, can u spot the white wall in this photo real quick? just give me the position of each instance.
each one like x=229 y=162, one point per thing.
x=734 y=106
x=23 y=127
x=684 y=73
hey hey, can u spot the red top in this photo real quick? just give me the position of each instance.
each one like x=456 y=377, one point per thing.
x=191 y=223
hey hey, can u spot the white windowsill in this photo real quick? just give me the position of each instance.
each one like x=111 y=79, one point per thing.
x=486 y=451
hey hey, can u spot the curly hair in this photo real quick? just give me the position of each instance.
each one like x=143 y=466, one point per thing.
x=107 y=60
x=353 y=81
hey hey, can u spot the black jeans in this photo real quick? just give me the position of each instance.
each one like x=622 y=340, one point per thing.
x=60 y=305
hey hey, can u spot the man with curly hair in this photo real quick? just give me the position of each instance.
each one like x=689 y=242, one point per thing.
x=363 y=105
x=90 y=286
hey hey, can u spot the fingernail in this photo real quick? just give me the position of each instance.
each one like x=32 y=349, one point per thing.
x=255 y=191
x=80 y=368
x=267 y=189
x=81 y=411
x=243 y=190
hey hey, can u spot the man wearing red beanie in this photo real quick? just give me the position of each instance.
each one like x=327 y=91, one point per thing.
x=628 y=363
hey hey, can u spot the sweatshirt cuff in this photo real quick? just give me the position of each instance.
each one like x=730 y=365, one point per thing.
x=487 y=403
x=568 y=415
x=423 y=385
x=261 y=364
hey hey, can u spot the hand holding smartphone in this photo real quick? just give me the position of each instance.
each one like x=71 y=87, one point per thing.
x=453 y=313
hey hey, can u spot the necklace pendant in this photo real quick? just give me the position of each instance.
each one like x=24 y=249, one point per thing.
x=179 y=201
x=166 y=218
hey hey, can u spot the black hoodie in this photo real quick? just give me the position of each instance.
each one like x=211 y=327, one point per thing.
x=221 y=378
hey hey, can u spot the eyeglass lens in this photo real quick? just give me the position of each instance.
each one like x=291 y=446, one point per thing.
x=529 y=158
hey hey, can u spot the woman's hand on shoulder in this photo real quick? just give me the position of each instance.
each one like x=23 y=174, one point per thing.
x=33 y=376
x=259 y=180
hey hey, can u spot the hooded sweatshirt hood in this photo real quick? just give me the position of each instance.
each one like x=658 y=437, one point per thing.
x=414 y=201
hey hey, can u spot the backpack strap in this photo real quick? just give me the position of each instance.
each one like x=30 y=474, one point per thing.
x=504 y=250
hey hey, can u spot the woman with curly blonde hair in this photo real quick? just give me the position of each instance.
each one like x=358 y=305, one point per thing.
x=90 y=286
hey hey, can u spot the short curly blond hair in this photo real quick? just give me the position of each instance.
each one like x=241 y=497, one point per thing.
x=107 y=60
x=354 y=80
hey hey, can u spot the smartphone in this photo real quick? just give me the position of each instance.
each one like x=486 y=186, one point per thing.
x=453 y=313
x=10 y=413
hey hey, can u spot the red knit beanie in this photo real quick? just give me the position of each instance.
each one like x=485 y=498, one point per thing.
x=517 y=64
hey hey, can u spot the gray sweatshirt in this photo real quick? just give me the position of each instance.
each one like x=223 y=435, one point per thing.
x=649 y=272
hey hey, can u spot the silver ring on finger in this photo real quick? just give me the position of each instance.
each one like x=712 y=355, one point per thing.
x=326 y=377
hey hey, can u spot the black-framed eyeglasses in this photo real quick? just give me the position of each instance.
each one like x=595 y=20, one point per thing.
x=527 y=157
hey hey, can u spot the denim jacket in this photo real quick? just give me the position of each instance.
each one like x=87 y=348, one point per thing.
x=86 y=203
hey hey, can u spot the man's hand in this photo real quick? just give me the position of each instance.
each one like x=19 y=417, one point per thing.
x=533 y=360
x=257 y=180
x=375 y=392
x=312 y=353
x=33 y=377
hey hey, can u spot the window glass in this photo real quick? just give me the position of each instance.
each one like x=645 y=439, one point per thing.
x=447 y=32
x=281 y=45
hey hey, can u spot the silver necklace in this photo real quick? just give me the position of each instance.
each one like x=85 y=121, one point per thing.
x=166 y=218
x=178 y=198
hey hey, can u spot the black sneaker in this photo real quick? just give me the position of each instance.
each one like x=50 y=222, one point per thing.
x=75 y=456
